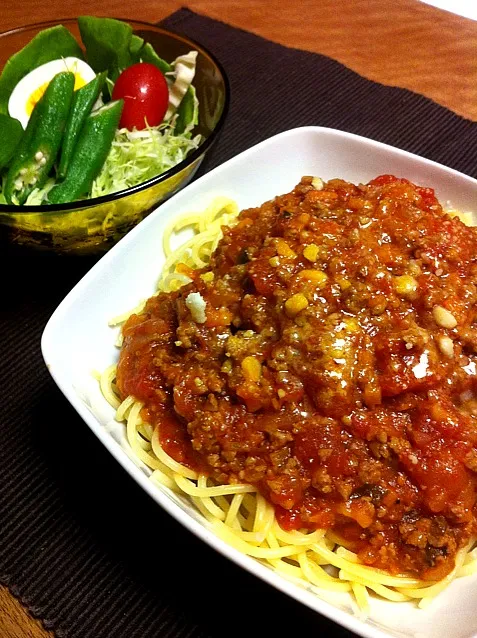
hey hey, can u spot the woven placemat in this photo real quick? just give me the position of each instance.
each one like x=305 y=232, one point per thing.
x=80 y=544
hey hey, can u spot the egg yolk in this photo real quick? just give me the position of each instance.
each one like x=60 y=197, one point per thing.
x=37 y=94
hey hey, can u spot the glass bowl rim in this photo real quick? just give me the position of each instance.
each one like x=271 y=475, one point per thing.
x=79 y=205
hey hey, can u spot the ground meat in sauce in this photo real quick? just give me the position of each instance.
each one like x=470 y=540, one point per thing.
x=335 y=369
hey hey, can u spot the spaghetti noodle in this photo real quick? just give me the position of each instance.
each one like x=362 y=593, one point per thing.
x=237 y=511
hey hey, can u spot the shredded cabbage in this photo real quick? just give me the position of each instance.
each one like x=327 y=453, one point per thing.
x=137 y=156
x=36 y=197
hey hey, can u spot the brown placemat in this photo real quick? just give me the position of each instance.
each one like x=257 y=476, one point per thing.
x=80 y=544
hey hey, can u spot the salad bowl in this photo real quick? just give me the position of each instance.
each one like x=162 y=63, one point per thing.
x=93 y=225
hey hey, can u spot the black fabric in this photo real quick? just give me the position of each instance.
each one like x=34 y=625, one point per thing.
x=80 y=544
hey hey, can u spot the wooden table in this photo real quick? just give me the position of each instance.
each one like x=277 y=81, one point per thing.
x=402 y=43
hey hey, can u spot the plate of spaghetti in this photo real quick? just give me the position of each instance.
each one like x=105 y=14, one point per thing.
x=283 y=356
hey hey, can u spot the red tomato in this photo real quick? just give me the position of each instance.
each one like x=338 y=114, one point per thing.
x=145 y=93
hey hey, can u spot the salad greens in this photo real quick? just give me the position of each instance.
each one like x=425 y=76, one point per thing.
x=187 y=113
x=112 y=46
x=49 y=44
x=147 y=54
x=134 y=156
x=107 y=44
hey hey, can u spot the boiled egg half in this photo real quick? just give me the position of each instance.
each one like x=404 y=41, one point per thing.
x=30 y=89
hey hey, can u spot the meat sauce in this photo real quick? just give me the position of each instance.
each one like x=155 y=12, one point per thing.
x=335 y=369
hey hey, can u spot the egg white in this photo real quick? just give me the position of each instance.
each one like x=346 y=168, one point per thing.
x=23 y=95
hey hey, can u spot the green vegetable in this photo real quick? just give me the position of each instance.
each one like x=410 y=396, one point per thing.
x=107 y=44
x=41 y=141
x=147 y=54
x=83 y=101
x=135 y=46
x=12 y=132
x=38 y=195
x=24 y=145
x=90 y=153
x=49 y=44
x=187 y=113
x=111 y=46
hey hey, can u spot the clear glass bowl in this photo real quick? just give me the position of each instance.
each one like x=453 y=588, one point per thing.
x=94 y=225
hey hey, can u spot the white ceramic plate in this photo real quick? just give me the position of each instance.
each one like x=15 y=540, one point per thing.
x=77 y=339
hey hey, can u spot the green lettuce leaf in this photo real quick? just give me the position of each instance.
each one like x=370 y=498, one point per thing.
x=111 y=46
x=148 y=54
x=49 y=44
x=107 y=43
x=187 y=113
x=135 y=46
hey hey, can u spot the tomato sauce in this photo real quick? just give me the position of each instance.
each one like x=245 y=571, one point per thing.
x=335 y=368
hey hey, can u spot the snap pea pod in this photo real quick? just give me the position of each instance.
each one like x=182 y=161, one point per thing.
x=90 y=153
x=83 y=101
x=41 y=141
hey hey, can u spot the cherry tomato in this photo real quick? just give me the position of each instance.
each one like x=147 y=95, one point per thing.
x=145 y=93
